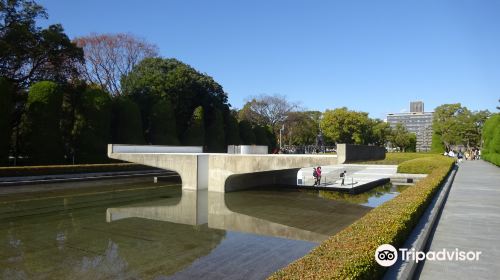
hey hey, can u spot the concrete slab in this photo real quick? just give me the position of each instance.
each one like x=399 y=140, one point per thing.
x=469 y=222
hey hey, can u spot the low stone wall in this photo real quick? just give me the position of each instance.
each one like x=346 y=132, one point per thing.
x=247 y=150
x=119 y=148
x=350 y=153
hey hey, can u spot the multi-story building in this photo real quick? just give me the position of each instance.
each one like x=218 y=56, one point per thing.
x=416 y=121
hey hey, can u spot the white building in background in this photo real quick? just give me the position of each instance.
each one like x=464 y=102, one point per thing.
x=416 y=121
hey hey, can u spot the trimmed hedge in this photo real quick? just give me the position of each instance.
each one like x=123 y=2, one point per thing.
x=423 y=165
x=350 y=253
x=68 y=169
x=491 y=137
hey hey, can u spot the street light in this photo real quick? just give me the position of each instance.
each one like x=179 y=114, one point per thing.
x=281 y=130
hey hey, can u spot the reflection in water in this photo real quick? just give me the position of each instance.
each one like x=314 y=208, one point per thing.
x=150 y=231
x=78 y=243
x=287 y=214
x=371 y=198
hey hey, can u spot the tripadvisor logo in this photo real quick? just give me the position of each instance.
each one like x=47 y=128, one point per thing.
x=386 y=255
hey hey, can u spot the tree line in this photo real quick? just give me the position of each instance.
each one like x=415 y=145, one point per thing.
x=62 y=101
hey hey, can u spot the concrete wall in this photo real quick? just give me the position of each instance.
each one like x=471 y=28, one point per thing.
x=210 y=171
x=154 y=149
x=247 y=150
x=287 y=177
x=349 y=153
x=222 y=166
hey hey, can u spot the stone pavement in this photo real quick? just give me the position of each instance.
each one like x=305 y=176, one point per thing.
x=470 y=221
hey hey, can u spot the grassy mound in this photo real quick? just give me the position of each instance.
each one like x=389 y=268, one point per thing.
x=424 y=165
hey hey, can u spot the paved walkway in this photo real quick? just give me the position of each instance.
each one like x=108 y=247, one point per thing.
x=470 y=221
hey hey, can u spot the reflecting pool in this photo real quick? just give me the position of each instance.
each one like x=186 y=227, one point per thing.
x=134 y=229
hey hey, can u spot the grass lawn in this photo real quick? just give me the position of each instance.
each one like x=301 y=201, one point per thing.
x=397 y=158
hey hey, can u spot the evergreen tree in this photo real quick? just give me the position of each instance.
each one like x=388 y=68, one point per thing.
x=162 y=130
x=92 y=126
x=6 y=105
x=126 y=122
x=41 y=124
x=232 y=130
x=215 y=133
x=260 y=135
x=247 y=136
x=195 y=133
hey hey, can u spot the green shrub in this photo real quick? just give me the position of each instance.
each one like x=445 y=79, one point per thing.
x=6 y=105
x=41 y=124
x=423 y=165
x=491 y=137
x=350 y=253
x=68 y=169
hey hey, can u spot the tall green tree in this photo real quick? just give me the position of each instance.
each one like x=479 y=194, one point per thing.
x=456 y=125
x=247 y=136
x=231 y=129
x=126 y=122
x=445 y=124
x=301 y=128
x=437 y=145
x=92 y=128
x=267 y=110
x=345 y=126
x=261 y=137
x=403 y=139
x=29 y=53
x=215 y=136
x=162 y=126
x=185 y=87
x=380 y=132
x=41 y=125
x=6 y=106
x=195 y=133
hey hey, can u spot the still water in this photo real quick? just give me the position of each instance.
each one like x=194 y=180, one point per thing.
x=133 y=229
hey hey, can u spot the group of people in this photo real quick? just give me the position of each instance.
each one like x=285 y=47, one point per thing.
x=473 y=154
x=317 y=176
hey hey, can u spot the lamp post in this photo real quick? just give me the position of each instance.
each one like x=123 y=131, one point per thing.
x=281 y=130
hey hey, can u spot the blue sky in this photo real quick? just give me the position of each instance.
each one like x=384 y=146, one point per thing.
x=372 y=56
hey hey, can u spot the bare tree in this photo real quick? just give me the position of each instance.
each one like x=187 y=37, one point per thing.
x=110 y=56
x=268 y=110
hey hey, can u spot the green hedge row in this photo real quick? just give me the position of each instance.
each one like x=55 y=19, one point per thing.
x=423 y=165
x=491 y=137
x=68 y=169
x=350 y=253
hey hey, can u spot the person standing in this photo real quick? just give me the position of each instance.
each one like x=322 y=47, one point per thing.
x=342 y=176
x=318 y=178
x=315 y=175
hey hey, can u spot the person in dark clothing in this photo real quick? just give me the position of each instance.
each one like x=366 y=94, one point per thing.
x=342 y=176
x=315 y=175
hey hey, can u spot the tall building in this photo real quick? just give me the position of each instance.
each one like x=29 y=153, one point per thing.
x=416 y=121
x=416 y=107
